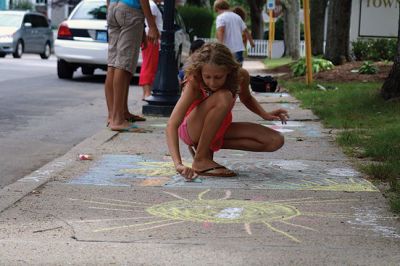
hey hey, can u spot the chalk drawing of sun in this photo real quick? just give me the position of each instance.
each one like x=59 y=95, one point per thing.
x=327 y=184
x=272 y=214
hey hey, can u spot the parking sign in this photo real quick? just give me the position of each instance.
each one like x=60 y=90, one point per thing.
x=271 y=4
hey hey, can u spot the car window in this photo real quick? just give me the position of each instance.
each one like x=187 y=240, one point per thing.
x=91 y=10
x=43 y=22
x=27 y=19
x=37 y=21
x=11 y=20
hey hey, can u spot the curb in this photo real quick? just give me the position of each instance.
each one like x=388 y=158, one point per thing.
x=12 y=193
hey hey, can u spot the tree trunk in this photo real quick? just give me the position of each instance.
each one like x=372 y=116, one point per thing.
x=391 y=86
x=285 y=32
x=257 y=22
x=337 y=47
x=291 y=22
x=317 y=27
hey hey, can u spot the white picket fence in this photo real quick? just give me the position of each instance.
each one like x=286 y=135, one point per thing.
x=261 y=48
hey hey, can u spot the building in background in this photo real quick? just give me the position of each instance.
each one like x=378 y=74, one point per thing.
x=4 y=4
x=59 y=10
x=374 y=19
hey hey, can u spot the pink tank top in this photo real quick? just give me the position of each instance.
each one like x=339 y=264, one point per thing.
x=218 y=139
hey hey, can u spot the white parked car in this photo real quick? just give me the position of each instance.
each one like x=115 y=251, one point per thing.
x=82 y=40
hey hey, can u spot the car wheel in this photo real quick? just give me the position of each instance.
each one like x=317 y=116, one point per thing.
x=46 y=52
x=64 y=70
x=2 y=55
x=19 y=49
x=87 y=71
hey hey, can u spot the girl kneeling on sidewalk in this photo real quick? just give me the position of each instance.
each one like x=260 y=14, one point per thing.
x=202 y=117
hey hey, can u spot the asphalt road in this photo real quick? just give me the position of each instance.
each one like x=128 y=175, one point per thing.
x=41 y=116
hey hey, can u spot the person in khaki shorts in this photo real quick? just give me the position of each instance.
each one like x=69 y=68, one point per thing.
x=125 y=19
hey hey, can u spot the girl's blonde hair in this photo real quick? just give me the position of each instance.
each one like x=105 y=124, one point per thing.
x=215 y=54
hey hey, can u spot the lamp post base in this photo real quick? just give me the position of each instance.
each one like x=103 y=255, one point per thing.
x=157 y=110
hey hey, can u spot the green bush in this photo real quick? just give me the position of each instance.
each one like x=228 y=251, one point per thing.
x=360 y=49
x=22 y=5
x=367 y=68
x=198 y=20
x=381 y=49
x=318 y=64
x=278 y=30
x=374 y=49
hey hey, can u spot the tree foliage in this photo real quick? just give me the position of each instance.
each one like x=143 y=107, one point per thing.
x=22 y=5
x=199 y=3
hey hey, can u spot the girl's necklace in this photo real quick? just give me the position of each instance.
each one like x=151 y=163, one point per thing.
x=208 y=91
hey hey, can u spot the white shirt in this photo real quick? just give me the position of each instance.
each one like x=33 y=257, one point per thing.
x=234 y=27
x=158 y=17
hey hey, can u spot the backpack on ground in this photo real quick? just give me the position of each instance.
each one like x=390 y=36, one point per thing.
x=263 y=83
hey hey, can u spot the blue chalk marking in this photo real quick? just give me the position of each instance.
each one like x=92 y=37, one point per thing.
x=110 y=170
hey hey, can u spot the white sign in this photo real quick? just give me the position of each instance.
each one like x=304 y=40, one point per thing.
x=271 y=4
x=379 y=18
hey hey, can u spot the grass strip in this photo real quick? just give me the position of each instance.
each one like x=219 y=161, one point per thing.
x=277 y=62
x=368 y=126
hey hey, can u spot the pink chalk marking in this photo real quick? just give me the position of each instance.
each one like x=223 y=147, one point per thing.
x=207 y=225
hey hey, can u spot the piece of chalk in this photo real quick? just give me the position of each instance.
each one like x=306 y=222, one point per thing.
x=196 y=180
x=84 y=157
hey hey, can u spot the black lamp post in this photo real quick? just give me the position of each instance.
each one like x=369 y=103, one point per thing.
x=165 y=91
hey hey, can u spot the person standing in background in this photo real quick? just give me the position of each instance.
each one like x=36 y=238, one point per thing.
x=150 y=54
x=246 y=36
x=230 y=28
x=194 y=46
x=125 y=20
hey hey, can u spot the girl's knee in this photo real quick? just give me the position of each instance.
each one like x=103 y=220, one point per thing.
x=274 y=142
x=279 y=141
x=223 y=98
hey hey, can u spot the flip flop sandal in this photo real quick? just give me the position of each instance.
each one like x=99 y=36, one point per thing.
x=209 y=172
x=136 y=118
x=133 y=128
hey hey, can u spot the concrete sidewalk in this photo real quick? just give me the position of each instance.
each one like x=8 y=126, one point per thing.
x=302 y=205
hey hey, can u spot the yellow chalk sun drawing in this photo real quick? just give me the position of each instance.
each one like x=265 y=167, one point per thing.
x=330 y=185
x=167 y=169
x=272 y=214
x=232 y=211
